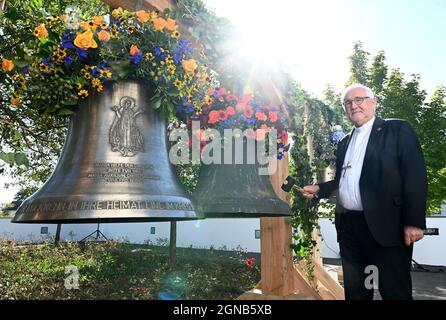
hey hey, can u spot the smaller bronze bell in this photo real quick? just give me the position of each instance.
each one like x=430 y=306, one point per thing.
x=236 y=191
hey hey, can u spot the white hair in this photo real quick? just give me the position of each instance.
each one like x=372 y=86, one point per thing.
x=357 y=86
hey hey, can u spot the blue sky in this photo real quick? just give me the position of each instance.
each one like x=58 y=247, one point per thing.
x=316 y=37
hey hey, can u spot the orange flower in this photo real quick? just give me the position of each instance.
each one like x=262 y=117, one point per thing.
x=189 y=66
x=98 y=20
x=261 y=116
x=273 y=116
x=85 y=40
x=133 y=50
x=171 y=25
x=159 y=24
x=63 y=18
x=143 y=16
x=211 y=91
x=40 y=31
x=15 y=101
x=103 y=35
x=7 y=65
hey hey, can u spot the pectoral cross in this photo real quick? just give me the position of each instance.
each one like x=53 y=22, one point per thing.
x=348 y=166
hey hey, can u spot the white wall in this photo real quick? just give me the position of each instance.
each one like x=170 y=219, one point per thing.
x=431 y=250
x=199 y=233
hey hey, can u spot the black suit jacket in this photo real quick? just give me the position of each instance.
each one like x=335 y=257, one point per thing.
x=393 y=182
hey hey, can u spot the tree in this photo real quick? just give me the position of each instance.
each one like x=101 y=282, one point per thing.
x=432 y=132
x=378 y=74
x=358 y=65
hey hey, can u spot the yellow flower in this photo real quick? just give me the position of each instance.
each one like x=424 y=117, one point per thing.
x=189 y=66
x=103 y=35
x=131 y=29
x=171 y=25
x=40 y=31
x=117 y=12
x=159 y=24
x=175 y=34
x=85 y=40
x=7 y=65
x=83 y=93
x=177 y=83
x=133 y=50
x=142 y=16
x=149 y=55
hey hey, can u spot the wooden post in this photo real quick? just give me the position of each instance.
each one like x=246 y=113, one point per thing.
x=173 y=243
x=57 y=237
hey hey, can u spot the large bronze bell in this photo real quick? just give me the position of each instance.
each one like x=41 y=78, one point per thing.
x=237 y=190
x=114 y=166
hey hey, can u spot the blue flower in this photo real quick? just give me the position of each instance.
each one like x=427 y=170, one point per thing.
x=68 y=61
x=95 y=73
x=136 y=58
x=67 y=45
x=336 y=136
x=82 y=53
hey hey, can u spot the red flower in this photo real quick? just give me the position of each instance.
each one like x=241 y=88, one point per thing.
x=211 y=91
x=231 y=97
x=142 y=290
x=222 y=91
x=250 y=263
x=230 y=111
x=222 y=115
x=284 y=137
x=213 y=116
x=261 y=116
x=273 y=116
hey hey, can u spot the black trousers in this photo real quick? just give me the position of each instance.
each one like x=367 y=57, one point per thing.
x=368 y=265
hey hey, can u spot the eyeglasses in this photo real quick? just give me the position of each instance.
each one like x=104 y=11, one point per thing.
x=358 y=101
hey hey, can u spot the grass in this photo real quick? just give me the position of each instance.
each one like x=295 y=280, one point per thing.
x=113 y=270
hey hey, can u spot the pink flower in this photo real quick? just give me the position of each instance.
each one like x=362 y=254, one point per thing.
x=261 y=116
x=273 y=116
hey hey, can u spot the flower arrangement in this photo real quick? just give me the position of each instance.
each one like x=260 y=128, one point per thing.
x=84 y=53
x=225 y=110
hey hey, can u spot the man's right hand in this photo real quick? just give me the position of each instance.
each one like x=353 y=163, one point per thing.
x=310 y=191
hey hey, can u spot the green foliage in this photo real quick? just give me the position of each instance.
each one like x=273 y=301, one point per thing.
x=121 y=271
x=358 y=65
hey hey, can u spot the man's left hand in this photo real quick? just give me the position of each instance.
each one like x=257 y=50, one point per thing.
x=412 y=234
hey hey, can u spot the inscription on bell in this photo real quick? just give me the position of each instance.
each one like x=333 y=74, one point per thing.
x=110 y=172
x=108 y=205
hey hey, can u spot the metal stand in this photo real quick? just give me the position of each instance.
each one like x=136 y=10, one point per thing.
x=98 y=233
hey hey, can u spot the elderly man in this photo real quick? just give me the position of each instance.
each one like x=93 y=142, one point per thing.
x=380 y=188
